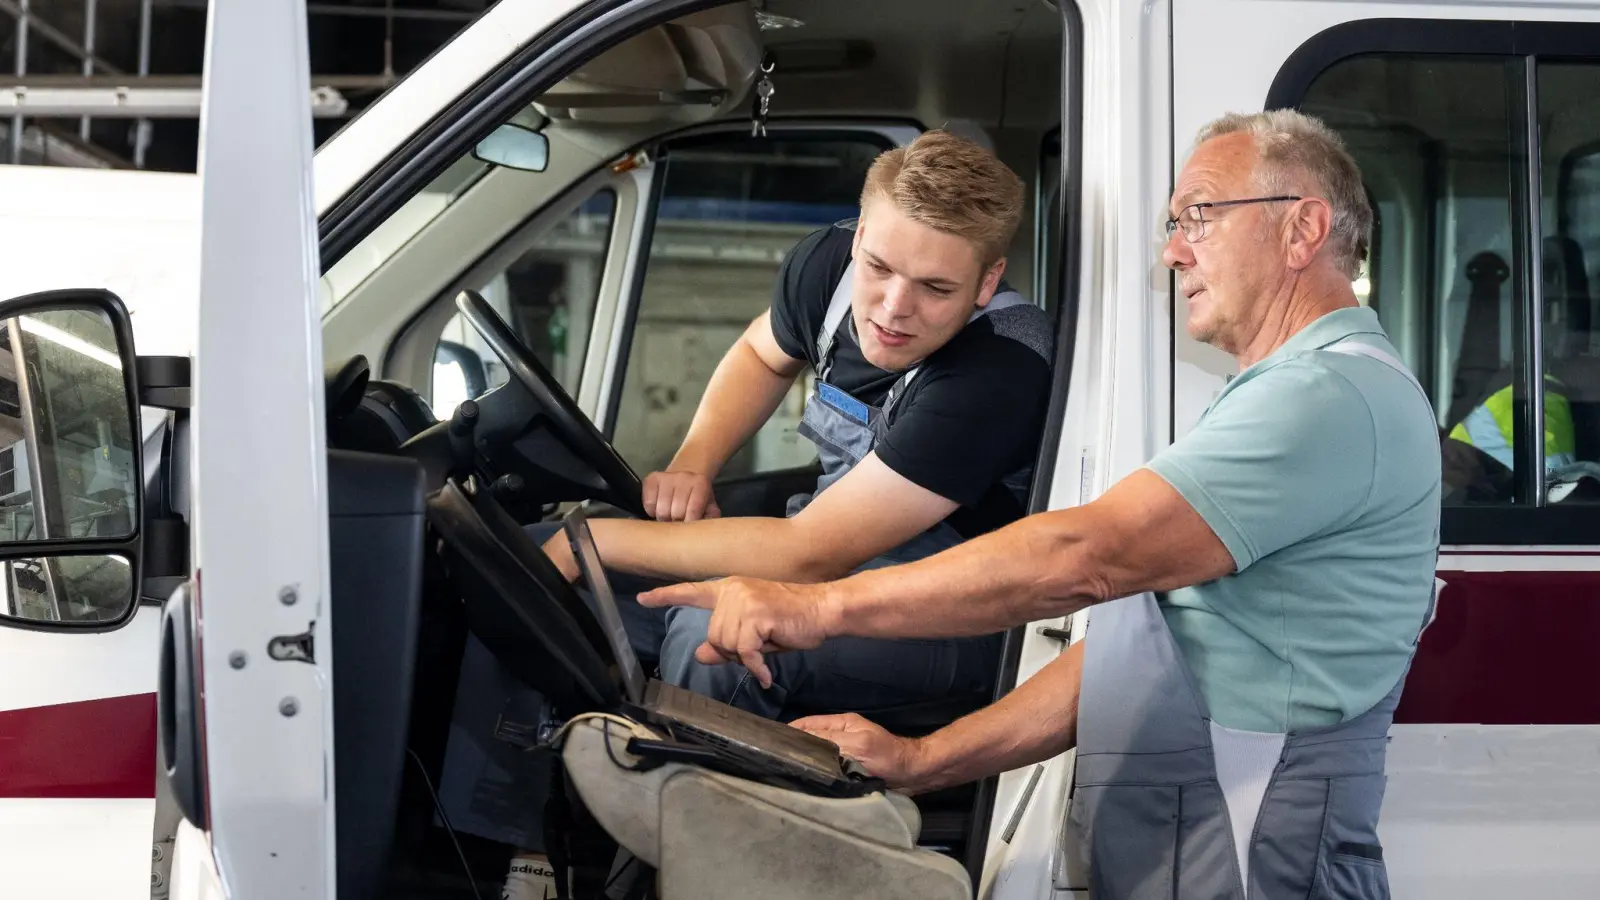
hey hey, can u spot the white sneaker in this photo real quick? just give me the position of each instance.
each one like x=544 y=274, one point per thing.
x=529 y=878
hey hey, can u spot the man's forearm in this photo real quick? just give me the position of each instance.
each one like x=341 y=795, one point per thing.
x=742 y=394
x=757 y=547
x=1037 y=568
x=1032 y=723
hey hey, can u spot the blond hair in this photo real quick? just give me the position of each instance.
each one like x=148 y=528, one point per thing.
x=1292 y=147
x=951 y=184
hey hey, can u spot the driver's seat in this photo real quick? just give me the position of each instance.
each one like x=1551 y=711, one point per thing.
x=679 y=817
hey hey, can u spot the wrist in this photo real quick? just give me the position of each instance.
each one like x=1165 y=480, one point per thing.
x=832 y=606
x=691 y=459
x=921 y=764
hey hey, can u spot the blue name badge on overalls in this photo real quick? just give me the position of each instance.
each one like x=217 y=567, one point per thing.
x=844 y=403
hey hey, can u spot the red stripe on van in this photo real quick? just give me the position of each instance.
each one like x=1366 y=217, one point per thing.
x=92 y=749
x=1509 y=648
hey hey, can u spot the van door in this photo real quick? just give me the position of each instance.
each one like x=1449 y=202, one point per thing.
x=1476 y=141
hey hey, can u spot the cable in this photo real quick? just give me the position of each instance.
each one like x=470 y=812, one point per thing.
x=439 y=807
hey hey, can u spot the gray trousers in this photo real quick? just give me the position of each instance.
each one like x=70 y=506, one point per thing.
x=496 y=790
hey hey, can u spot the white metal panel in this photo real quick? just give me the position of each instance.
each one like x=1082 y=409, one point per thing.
x=259 y=465
x=57 y=849
x=348 y=156
x=1116 y=412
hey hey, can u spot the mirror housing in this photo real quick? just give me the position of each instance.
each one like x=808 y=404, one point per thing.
x=515 y=147
x=71 y=463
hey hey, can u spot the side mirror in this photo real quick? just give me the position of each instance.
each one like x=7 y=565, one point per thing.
x=458 y=374
x=516 y=147
x=70 y=462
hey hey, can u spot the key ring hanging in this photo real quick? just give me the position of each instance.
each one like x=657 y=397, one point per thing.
x=762 y=102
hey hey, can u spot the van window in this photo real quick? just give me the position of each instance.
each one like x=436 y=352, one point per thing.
x=547 y=295
x=730 y=208
x=1484 y=174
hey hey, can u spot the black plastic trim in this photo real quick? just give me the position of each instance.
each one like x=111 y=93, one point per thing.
x=131 y=547
x=165 y=382
x=1562 y=525
x=1470 y=37
x=1070 y=233
x=178 y=708
x=542 y=62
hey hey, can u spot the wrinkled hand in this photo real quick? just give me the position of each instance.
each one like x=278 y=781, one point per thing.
x=560 y=553
x=679 y=497
x=750 y=617
x=894 y=759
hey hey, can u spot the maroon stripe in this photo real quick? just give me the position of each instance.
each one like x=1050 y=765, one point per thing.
x=1509 y=648
x=93 y=749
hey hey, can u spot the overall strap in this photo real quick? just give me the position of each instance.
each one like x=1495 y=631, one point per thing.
x=1354 y=348
x=996 y=303
x=838 y=307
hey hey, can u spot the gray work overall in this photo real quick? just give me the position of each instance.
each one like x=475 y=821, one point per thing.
x=1168 y=804
x=845 y=429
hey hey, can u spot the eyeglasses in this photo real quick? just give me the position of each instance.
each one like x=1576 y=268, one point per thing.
x=1193 y=221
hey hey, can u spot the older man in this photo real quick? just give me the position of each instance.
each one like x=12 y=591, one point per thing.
x=1231 y=718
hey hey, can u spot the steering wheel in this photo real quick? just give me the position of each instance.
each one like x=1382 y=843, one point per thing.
x=569 y=423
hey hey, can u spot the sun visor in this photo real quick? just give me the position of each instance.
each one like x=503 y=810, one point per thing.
x=689 y=70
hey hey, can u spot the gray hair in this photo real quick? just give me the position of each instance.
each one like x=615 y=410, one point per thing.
x=1294 y=146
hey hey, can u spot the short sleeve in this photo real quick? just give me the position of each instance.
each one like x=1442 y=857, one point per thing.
x=971 y=423
x=803 y=288
x=1284 y=456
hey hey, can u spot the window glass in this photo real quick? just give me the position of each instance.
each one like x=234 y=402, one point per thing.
x=730 y=208
x=1569 y=142
x=414 y=215
x=547 y=295
x=1438 y=142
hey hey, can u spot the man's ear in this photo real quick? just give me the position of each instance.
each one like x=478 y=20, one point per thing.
x=991 y=282
x=1307 y=227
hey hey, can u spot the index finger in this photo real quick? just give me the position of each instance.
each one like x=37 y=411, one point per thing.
x=695 y=594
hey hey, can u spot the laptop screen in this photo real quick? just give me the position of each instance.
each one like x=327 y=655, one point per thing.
x=604 y=602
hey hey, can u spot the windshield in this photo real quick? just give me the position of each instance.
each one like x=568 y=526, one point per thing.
x=387 y=239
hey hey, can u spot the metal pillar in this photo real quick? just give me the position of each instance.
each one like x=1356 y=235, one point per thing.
x=22 y=69
x=141 y=130
x=89 y=11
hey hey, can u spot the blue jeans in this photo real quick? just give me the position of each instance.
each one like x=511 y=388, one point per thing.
x=843 y=675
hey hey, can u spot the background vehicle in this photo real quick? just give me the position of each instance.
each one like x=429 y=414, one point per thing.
x=653 y=225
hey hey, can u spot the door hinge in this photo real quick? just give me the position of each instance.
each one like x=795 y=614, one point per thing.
x=292 y=648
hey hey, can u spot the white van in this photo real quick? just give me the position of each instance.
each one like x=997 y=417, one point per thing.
x=592 y=171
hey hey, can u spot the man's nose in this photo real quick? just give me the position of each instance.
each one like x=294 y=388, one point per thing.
x=1178 y=253
x=897 y=299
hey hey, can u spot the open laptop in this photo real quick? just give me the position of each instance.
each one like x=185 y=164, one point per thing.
x=740 y=740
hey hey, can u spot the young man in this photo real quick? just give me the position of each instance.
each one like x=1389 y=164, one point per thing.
x=932 y=377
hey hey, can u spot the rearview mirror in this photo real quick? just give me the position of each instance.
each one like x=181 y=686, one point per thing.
x=69 y=462
x=515 y=146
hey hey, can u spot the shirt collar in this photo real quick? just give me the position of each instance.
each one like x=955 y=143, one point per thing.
x=1330 y=328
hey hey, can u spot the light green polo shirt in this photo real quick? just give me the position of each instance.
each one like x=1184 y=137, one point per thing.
x=1320 y=473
